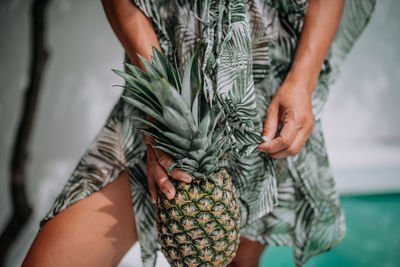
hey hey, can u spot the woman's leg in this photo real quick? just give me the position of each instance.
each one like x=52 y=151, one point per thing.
x=248 y=253
x=95 y=231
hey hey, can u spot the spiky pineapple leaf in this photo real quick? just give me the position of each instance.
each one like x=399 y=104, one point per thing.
x=169 y=97
x=176 y=122
x=189 y=128
x=148 y=101
x=153 y=72
x=187 y=91
x=136 y=71
x=144 y=108
x=204 y=124
x=184 y=143
x=170 y=73
x=127 y=77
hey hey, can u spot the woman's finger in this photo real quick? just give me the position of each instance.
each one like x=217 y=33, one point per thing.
x=147 y=139
x=165 y=160
x=285 y=138
x=151 y=182
x=296 y=146
x=162 y=180
x=160 y=175
x=271 y=121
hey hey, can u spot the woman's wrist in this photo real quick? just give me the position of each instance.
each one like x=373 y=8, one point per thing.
x=305 y=69
x=302 y=82
x=320 y=24
x=133 y=28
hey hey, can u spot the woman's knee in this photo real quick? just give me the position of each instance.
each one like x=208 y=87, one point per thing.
x=248 y=254
x=95 y=231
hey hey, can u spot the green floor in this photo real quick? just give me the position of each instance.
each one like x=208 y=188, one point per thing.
x=372 y=239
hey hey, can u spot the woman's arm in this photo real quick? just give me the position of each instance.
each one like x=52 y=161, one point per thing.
x=133 y=29
x=320 y=25
x=136 y=34
x=292 y=104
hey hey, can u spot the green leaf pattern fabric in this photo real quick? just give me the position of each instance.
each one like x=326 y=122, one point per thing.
x=247 y=50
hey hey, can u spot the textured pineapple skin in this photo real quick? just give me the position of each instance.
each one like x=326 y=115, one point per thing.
x=200 y=225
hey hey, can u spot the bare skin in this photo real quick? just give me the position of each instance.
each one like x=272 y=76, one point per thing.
x=95 y=231
x=99 y=229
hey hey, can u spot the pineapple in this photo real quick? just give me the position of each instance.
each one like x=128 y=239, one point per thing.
x=200 y=225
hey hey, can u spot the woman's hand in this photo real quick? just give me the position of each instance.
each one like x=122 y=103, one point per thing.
x=136 y=33
x=157 y=166
x=291 y=106
x=292 y=103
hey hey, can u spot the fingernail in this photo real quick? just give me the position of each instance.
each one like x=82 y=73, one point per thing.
x=186 y=178
x=153 y=200
x=169 y=194
x=266 y=139
x=261 y=147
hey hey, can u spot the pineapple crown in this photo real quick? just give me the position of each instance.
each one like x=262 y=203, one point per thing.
x=188 y=129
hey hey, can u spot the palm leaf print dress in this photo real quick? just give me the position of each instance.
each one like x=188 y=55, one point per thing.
x=290 y=201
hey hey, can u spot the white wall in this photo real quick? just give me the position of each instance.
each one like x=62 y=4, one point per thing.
x=362 y=117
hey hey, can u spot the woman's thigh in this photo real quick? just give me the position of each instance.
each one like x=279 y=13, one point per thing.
x=95 y=231
x=248 y=253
